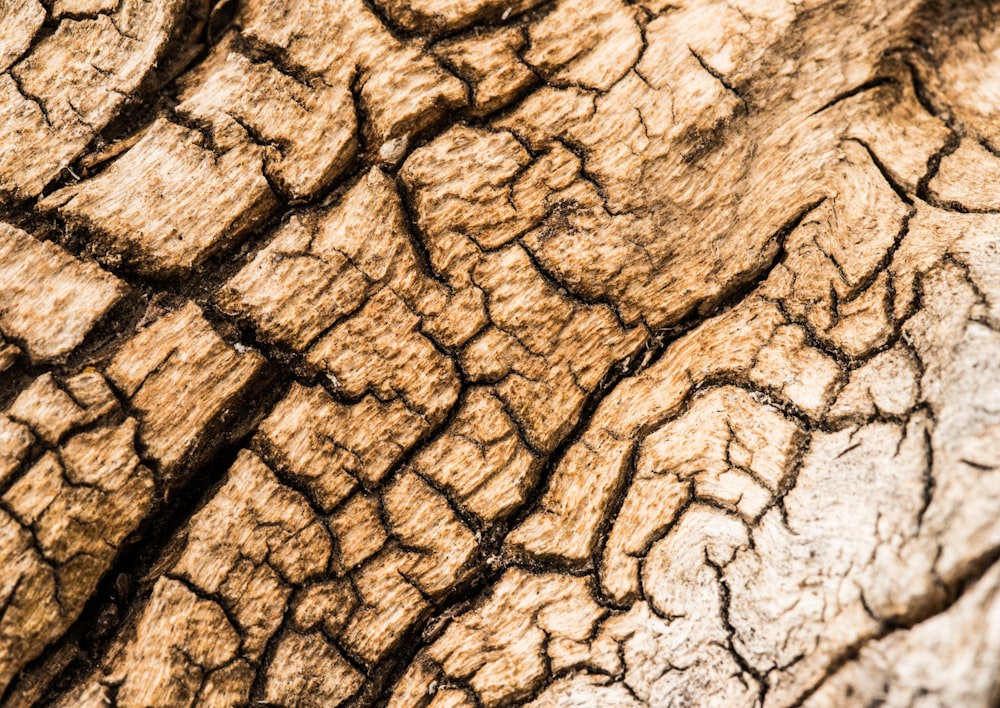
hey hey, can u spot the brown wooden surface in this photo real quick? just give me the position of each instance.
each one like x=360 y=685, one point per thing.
x=494 y=352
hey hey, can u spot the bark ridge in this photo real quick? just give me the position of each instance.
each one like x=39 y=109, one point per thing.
x=499 y=352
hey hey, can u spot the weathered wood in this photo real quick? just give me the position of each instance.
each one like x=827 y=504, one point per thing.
x=491 y=64
x=74 y=485
x=200 y=180
x=64 y=513
x=49 y=300
x=480 y=353
x=181 y=378
x=59 y=92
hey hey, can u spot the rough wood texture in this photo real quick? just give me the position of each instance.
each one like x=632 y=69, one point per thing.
x=49 y=300
x=61 y=89
x=447 y=353
x=64 y=512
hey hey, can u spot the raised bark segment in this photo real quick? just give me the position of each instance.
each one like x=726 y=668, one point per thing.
x=74 y=487
x=401 y=91
x=320 y=269
x=967 y=179
x=167 y=204
x=610 y=43
x=17 y=440
x=307 y=128
x=450 y=15
x=49 y=300
x=964 y=81
x=52 y=410
x=480 y=460
x=663 y=380
x=149 y=212
x=9 y=353
x=63 y=90
x=531 y=615
x=330 y=447
x=64 y=511
x=186 y=385
x=491 y=64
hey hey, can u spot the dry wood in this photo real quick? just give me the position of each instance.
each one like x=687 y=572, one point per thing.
x=75 y=487
x=65 y=513
x=49 y=300
x=448 y=353
x=60 y=90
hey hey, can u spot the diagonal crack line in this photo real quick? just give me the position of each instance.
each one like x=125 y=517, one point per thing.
x=875 y=83
x=884 y=171
x=725 y=600
x=31 y=97
x=973 y=573
x=717 y=75
x=753 y=279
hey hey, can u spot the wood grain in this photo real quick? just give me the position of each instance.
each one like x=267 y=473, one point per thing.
x=446 y=353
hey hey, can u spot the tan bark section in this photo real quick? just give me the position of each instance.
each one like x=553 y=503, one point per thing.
x=24 y=18
x=48 y=299
x=630 y=353
x=450 y=15
x=490 y=63
x=248 y=131
x=65 y=512
x=186 y=212
x=57 y=94
x=180 y=377
x=74 y=484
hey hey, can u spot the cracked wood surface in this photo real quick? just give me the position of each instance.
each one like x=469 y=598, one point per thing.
x=499 y=352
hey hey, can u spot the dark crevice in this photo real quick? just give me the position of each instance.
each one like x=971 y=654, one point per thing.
x=869 y=85
x=934 y=164
x=482 y=20
x=929 y=481
x=415 y=235
x=725 y=596
x=259 y=52
x=953 y=593
x=220 y=18
x=125 y=588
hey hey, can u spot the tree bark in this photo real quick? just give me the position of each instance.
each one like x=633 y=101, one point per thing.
x=499 y=352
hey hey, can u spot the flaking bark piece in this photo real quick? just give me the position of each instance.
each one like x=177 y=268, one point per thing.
x=73 y=83
x=183 y=380
x=171 y=201
x=50 y=300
